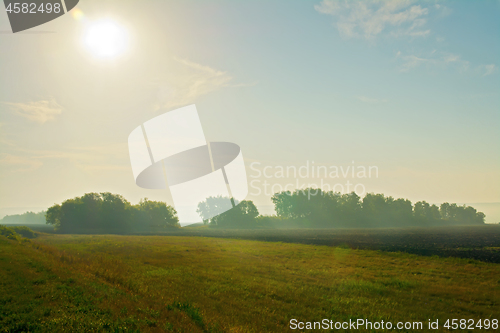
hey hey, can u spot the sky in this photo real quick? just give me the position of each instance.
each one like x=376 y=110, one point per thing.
x=408 y=87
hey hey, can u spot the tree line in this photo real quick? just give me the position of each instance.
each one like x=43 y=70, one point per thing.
x=25 y=218
x=332 y=209
x=110 y=213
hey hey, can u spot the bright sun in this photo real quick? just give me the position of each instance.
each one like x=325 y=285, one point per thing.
x=106 y=39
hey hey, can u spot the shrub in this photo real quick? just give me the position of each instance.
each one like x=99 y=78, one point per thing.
x=24 y=231
x=9 y=233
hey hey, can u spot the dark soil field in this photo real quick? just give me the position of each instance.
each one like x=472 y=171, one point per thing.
x=474 y=242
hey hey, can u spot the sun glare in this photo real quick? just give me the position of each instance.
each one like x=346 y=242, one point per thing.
x=106 y=39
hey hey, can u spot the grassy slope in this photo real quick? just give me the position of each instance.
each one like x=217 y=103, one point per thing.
x=192 y=284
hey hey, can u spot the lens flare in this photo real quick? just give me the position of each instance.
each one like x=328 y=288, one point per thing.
x=77 y=14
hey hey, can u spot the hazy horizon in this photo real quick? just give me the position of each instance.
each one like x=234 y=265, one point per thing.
x=491 y=209
x=409 y=87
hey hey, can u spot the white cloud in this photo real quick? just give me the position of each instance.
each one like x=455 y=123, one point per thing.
x=489 y=69
x=436 y=59
x=188 y=81
x=451 y=58
x=412 y=61
x=40 y=111
x=454 y=59
x=367 y=19
x=20 y=163
x=442 y=10
x=91 y=158
x=370 y=100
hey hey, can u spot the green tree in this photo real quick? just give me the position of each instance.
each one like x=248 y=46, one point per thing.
x=213 y=206
x=114 y=213
x=284 y=204
x=53 y=216
x=154 y=215
x=242 y=215
x=109 y=213
x=318 y=208
x=460 y=215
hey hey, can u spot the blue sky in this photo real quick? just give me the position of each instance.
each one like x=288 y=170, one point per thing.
x=411 y=87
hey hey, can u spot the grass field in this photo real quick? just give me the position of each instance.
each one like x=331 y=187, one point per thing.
x=113 y=283
x=470 y=242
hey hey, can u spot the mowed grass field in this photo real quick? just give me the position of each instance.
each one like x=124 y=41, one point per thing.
x=78 y=283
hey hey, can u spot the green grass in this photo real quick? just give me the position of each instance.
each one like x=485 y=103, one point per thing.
x=196 y=284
